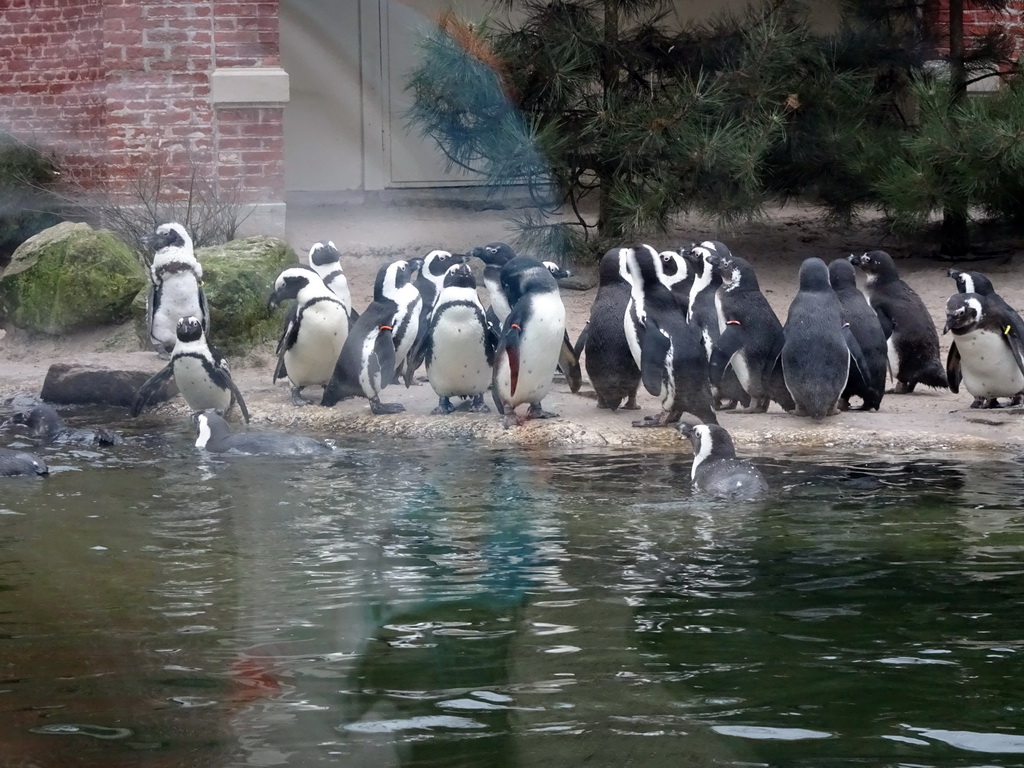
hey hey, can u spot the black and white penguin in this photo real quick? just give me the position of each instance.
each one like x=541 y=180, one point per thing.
x=214 y=435
x=46 y=425
x=869 y=334
x=976 y=282
x=457 y=347
x=914 y=341
x=200 y=372
x=14 y=463
x=176 y=289
x=610 y=366
x=429 y=283
x=817 y=350
x=527 y=352
x=673 y=366
x=716 y=470
x=678 y=276
x=406 y=321
x=987 y=353
x=367 y=361
x=315 y=332
x=325 y=260
x=750 y=332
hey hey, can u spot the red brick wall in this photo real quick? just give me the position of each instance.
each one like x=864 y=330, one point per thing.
x=977 y=23
x=121 y=89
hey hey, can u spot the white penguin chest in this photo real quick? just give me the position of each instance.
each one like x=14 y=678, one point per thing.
x=539 y=346
x=458 y=361
x=988 y=366
x=196 y=386
x=323 y=328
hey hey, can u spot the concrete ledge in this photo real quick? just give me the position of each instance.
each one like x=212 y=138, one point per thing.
x=249 y=85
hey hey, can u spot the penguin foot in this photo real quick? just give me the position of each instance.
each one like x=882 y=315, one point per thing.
x=844 y=404
x=901 y=388
x=631 y=404
x=479 y=406
x=537 y=412
x=726 y=405
x=985 y=402
x=661 y=420
x=1015 y=401
x=297 y=398
x=378 y=408
x=444 y=407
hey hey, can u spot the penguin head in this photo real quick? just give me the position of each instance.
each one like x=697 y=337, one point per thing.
x=644 y=265
x=437 y=263
x=841 y=274
x=323 y=253
x=169 y=235
x=210 y=425
x=732 y=269
x=189 y=329
x=32 y=463
x=613 y=267
x=459 y=276
x=495 y=254
x=814 y=275
x=963 y=310
x=393 y=277
x=557 y=272
x=971 y=282
x=707 y=440
x=42 y=420
x=876 y=264
x=290 y=282
x=672 y=268
x=524 y=274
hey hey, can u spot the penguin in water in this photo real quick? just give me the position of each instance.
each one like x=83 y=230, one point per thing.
x=817 y=347
x=913 y=343
x=527 y=352
x=315 y=333
x=702 y=313
x=457 y=347
x=214 y=435
x=367 y=361
x=613 y=373
x=14 y=463
x=673 y=366
x=176 y=288
x=716 y=470
x=987 y=353
x=200 y=372
x=750 y=333
x=869 y=334
x=325 y=260
x=46 y=424
x=429 y=283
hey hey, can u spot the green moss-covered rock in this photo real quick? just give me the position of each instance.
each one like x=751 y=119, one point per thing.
x=237 y=278
x=70 y=277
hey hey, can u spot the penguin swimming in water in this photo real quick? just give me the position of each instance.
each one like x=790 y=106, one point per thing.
x=367 y=361
x=613 y=373
x=176 y=288
x=716 y=470
x=527 y=352
x=868 y=331
x=673 y=366
x=315 y=332
x=47 y=425
x=457 y=346
x=818 y=350
x=913 y=343
x=13 y=463
x=214 y=435
x=325 y=260
x=987 y=353
x=200 y=372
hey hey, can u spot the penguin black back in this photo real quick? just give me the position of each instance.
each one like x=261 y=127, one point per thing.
x=613 y=373
x=867 y=330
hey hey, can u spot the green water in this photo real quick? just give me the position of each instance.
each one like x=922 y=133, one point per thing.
x=397 y=604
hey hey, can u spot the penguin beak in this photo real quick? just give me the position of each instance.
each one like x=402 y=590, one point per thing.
x=950 y=320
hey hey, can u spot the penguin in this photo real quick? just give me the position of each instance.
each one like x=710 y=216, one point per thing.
x=176 y=288
x=673 y=366
x=325 y=260
x=613 y=373
x=678 y=276
x=200 y=372
x=869 y=334
x=315 y=333
x=817 y=348
x=975 y=282
x=913 y=343
x=429 y=283
x=367 y=361
x=457 y=347
x=987 y=353
x=214 y=435
x=406 y=321
x=716 y=470
x=750 y=332
x=14 y=463
x=47 y=425
x=527 y=352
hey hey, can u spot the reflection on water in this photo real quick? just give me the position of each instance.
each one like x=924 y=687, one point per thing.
x=453 y=605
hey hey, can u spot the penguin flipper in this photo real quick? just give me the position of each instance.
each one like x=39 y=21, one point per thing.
x=886 y=321
x=204 y=308
x=417 y=354
x=151 y=388
x=774 y=355
x=152 y=302
x=1016 y=342
x=289 y=335
x=569 y=364
x=856 y=354
x=655 y=348
x=381 y=362
x=222 y=377
x=953 y=375
x=728 y=344
x=581 y=342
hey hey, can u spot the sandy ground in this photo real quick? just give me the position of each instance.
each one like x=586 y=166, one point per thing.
x=928 y=421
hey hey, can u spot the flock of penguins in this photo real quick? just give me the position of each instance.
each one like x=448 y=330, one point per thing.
x=692 y=326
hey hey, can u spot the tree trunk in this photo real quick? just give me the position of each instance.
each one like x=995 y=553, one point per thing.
x=954 y=240
x=609 y=81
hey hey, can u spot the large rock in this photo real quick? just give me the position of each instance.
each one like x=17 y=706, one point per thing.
x=71 y=384
x=238 y=277
x=70 y=277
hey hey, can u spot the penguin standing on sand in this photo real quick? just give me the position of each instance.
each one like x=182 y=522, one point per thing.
x=457 y=347
x=750 y=333
x=325 y=260
x=315 y=333
x=406 y=322
x=987 y=353
x=975 y=282
x=673 y=366
x=366 y=364
x=868 y=331
x=429 y=283
x=200 y=372
x=817 y=347
x=716 y=470
x=914 y=341
x=531 y=336
x=176 y=289
x=613 y=373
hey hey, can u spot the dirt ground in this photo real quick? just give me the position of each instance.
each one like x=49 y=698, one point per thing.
x=928 y=421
